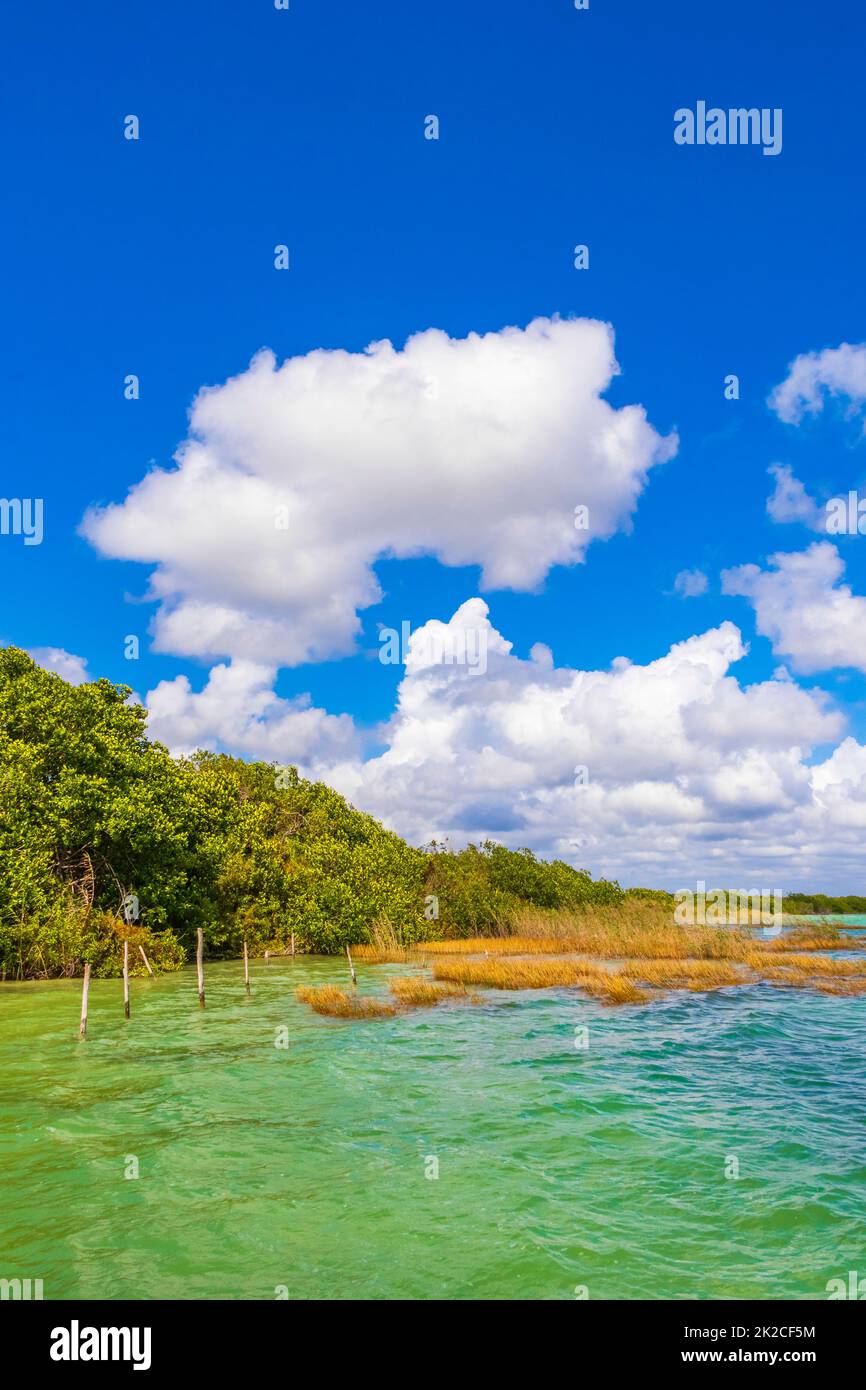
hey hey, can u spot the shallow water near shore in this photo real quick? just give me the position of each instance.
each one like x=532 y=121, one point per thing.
x=304 y=1166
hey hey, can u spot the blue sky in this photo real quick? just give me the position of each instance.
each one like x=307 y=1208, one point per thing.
x=261 y=127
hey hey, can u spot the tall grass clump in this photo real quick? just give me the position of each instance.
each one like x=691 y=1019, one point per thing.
x=418 y=992
x=336 y=1003
x=540 y=973
x=820 y=936
x=386 y=947
x=686 y=974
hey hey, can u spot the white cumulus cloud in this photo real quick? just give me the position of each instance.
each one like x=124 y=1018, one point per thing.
x=238 y=711
x=690 y=774
x=66 y=664
x=296 y=478
x=691 y=583
x=790 y=501
x=812 y=376
x=810 y=617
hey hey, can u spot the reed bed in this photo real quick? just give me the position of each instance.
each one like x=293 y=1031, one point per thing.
x=809 y=965
x=375 y=955
x=525 y=973
x=639 y=917
x=825 y=984
x=629 y=981
x=672 y=943
x=532 y=973
x=615 y=989
x=497 y=946
x=602 y=920
x=620 y=954
x=417 y=991
x=839 y=986
x=336 y=1003
x=686 y=974
x=622 y=982
x=629 y=936
x=385 y=947
x=823 y=938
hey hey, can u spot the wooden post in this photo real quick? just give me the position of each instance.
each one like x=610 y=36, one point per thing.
x=246 y=966
x=351 y=967
x=199 y=953
x=293 y=943
x=126 y=979
x=267 y=957
x=147 y=963
x=82 y=1031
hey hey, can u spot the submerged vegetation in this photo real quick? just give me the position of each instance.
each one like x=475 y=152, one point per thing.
x=328 y=999
x=533 y=973
x=419 y=992
x=411 y=991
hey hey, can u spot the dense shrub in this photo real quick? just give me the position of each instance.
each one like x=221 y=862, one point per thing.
x=65 y=938
x=478 y=889
x=651 y=895
x=805 y=903
x=91 y=811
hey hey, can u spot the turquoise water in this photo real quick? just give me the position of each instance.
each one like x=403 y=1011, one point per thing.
x=848 y=920
x=304 y=1166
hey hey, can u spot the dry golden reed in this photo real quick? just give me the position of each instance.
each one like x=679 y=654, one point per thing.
x=336 y=1003
x=384 y=947
x=807 y=965
x=686 y=974
x=619 y=954
x=497 y=946
x=816 y=938
x=417 y=991
x=518 y=973
x=622 y=983
x=633 y=931
x=672 y=943
x=372 y=955
x=541 y=973
x=615 y=989
x=825 y=984
x=840 y=986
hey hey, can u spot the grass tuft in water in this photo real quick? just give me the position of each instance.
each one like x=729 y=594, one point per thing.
x=418 y=992
x=539 y=973
x=336 y=1003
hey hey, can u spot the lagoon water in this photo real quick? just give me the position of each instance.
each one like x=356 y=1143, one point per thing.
x=305 y=1166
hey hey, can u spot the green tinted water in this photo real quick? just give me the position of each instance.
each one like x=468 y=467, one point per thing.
x=305 y=1166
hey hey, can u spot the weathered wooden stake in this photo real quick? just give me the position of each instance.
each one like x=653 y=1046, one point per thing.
x=351 y=967
x=199 y=953
x=147 y=963
x=82 y=1031
x=267 y=957
x=293 y=943
x=246 y=966
x=126 y=979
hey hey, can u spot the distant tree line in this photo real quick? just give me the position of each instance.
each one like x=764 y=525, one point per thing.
x=804 y=904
